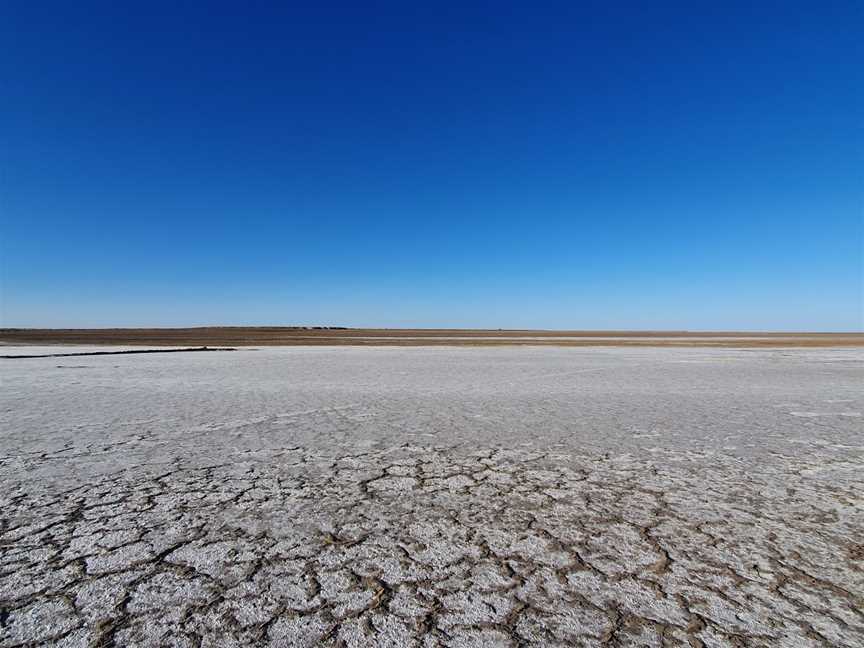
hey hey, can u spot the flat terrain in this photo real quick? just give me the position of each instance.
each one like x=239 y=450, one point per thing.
x=518 y=496
x=294 y=336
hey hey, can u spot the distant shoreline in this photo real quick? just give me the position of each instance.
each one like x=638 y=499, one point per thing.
x=103 y=353
x=338 y=336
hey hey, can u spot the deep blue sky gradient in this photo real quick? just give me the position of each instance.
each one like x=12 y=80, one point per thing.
x=541 y=165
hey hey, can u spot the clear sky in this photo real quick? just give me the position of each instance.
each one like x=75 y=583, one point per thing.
x=535 y=164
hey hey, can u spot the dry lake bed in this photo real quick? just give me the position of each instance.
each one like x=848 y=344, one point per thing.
x=514 y=496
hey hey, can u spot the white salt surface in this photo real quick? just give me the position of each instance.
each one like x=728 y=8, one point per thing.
x=433 y=496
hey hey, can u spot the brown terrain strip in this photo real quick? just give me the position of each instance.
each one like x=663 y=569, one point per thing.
x=299 y=336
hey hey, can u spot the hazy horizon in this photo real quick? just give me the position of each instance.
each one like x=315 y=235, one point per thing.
x=437 y=328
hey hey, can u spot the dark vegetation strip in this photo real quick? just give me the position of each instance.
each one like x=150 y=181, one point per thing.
x=96 y=353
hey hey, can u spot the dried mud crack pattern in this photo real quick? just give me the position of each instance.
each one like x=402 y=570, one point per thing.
x=434 y=546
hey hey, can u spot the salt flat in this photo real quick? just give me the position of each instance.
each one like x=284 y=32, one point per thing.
x=525 y=496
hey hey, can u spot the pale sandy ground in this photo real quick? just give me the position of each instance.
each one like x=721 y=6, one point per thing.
x=434 y=497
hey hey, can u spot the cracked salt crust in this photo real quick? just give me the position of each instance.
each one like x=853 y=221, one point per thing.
x=152 y=502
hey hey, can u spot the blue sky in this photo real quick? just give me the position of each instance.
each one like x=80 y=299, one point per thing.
x=540 y=165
